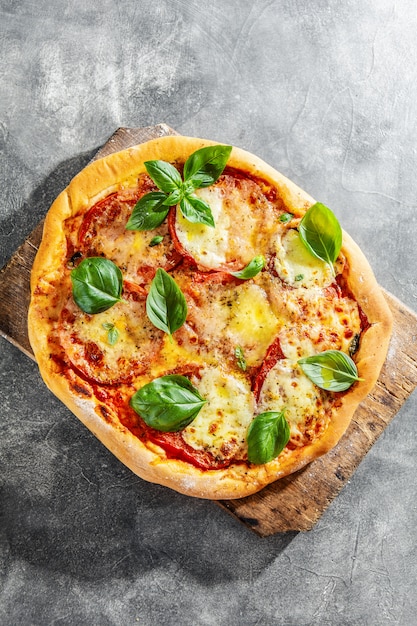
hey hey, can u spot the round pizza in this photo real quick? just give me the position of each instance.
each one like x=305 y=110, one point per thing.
x=204 y=317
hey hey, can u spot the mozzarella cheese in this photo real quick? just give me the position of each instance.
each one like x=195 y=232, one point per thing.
x=314 y=323
x=244 y=223
x=207 y=245
x=221 y=425
x=307 y=314
x=287 y=389
x=228 y=316
x=86 y=341
x=296 y=266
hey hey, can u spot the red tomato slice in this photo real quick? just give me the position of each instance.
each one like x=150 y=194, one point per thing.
x=274 y=354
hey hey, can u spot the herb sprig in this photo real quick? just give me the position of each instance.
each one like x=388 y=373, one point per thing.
x=251 y=270
x=201 y=169
x=240 y=358
x=112 y=332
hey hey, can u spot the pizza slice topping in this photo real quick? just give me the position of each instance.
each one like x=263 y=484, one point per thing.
x=220 y=349
x=201 y=169
x=331 y=370
x=228 y=314
x=297 y=266
x=306 y=407
x=103 y=233
x=221 y=425
x=98 y=355
x=312 y=321
x=321 y=233
x=268 y=434
x=245 y=221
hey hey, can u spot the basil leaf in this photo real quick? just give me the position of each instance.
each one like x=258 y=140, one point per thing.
x=321 y=233
x=174 y=197
x=165 y=305
x=240 y=358
x=286 y=217
x=156 y=240
x=201 y=169
x=112 y=332
x=205 y=166
x=268 y=434
x=149 y=212
x=331 y=370
x=96 y=284
x=168 y=403
x=165 y=176
x=196 y=210
x=252 y=269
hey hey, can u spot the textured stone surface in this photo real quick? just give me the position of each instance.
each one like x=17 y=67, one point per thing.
x=324 y=91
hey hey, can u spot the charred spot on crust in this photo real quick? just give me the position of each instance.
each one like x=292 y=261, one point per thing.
x=105 y=413
x=81 y=390
x=354 y=344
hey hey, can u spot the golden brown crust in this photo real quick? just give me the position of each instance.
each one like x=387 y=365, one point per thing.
x=148 y=461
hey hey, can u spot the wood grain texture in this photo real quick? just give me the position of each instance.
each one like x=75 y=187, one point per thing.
x=294 y=503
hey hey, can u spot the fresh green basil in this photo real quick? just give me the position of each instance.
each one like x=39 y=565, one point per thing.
x=201 y=169
x=174 y=197
x=252 y=269
x=165 y=305
x=155 y=241
x=240 y=358
x=165 y=176
x=204 y=166
x=149 y=212
x=168 y=403
x=96 y=284
x=196 y=210
x=286 y=217
x=321 y=233
x=331 y=370
x=268 y=434
x=112 y=332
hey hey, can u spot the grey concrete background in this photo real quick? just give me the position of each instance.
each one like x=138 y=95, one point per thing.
x=325 y=91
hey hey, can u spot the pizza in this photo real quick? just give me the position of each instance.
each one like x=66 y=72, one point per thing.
x=205 y=318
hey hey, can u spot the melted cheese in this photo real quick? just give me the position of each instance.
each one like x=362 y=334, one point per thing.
x=252 y=322
x=235 y=315
x=245 y=223
x=287 y=389
x=221 y=316
x=314 y=323
x=221 y=425
x=175 y=356
x=86 y=341
x=296 y=266
x=103 y=232
x=207 y=245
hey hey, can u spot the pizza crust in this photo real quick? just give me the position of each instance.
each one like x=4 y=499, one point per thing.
x=148 y=461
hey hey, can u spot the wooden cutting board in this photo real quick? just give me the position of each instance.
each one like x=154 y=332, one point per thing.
x=296 y=502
